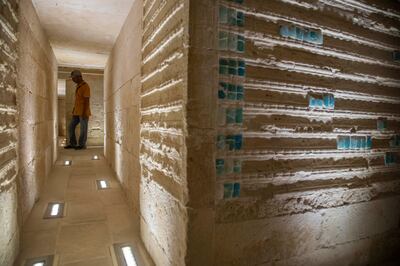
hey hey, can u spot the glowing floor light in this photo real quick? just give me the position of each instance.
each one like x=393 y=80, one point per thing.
x=128 y=256
x=67 y=163
x=102 y=184
x=55 y=209
x=95 y=157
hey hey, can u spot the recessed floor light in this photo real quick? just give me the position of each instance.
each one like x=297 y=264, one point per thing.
x=102 y=184
x=54 y=210
x=42 y=261
x=67 y=163
x=125 y=255
x=128 y=256
x=95 y=157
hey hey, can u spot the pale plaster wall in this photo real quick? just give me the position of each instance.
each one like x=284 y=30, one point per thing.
x=95 y=79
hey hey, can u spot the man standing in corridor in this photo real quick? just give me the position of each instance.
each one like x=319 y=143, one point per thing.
x=80 y=113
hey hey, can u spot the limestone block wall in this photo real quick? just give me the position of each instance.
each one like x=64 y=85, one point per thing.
x=9 y=232
x=122 y=106
x=37 y=106
x=95 y=79
x=307 y=132
x=163 y=153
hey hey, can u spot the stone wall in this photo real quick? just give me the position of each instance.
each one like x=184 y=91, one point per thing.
x=95 y=79
x=122 y=106
x=37 y=106
x=145 y=118
x=9 y=233
x=306 y=152
x=163 y=130
x=62 y=124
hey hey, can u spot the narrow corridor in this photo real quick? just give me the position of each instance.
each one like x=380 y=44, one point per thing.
x=93 y=219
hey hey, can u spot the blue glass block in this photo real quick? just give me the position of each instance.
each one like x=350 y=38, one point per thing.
x=299 y=34
x=241 y=43
x=230 y=142
x=223 y=40
x=232 y=17
x=231 y=92
x=241 y=68
x=381 y=124
x=239 y=93
x=238 y=142
x=396 y=55
x=363 y=143
x=284 y=31
x=319 y=103
x=329 y=101
x=312 y=102
x=223 y=66
x=230 y=116
x=233 y=42
x=240 y=19
x=228 y=190
x=390 y=158
x=232 y=67
x=237 y=166
x=220 y=142
x=353 y=143
x=239 y=116
x=288 y=31
x=220 y=166
x=222 y=91
x=236 y=190
x=359 y=143
x=313 y=36
x=369 y=142
x=223 y=15
x=343 y=142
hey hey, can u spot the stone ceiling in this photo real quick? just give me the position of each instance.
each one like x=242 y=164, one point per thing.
x=82 y=32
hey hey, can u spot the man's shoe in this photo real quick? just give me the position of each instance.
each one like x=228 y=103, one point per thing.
x=69 y=147
x=80 y=147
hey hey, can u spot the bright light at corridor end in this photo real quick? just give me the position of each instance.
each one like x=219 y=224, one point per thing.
x=128 y=256
x=67 y=163
x=95 y=157
x=39 y=263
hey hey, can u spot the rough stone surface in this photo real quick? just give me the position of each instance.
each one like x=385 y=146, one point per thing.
x=300 y=196
x=95 y=79
x=9 y=231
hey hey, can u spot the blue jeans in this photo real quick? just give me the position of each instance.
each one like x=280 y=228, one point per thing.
x=84 y=128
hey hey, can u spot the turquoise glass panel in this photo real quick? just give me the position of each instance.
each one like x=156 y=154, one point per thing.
x=236 y=190
x=228 y=190
x=220 y=166
x=223 y=15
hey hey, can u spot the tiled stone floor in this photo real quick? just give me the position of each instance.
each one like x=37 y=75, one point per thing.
x=94 y=219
